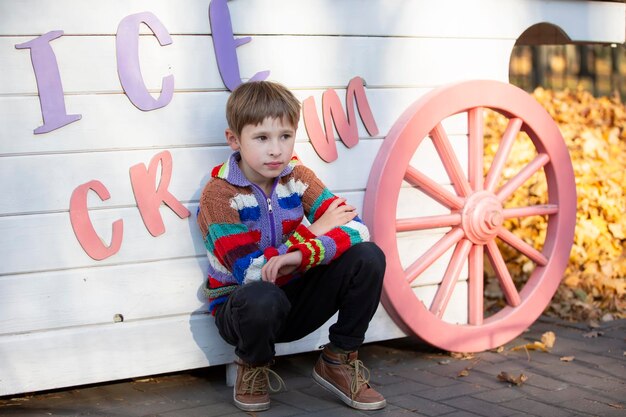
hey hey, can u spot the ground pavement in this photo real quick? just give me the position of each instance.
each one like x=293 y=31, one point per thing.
x=584 y=374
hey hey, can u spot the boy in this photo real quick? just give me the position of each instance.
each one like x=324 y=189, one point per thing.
x=271 y=278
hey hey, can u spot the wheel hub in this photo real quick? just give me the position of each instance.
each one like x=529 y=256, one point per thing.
x=482 y=217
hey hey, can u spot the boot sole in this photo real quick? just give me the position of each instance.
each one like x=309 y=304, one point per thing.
x=250 y=407
x=343 y=397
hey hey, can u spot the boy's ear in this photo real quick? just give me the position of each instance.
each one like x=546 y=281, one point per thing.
x=232 y=140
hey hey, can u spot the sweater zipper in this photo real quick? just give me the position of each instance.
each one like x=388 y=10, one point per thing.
x=270 y=213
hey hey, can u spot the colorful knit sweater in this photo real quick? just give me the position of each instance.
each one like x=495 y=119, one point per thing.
x=243 y=228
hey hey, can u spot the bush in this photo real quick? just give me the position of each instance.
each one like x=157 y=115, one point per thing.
x=594 y=130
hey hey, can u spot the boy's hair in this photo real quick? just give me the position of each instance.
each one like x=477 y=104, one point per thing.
x=252 y=102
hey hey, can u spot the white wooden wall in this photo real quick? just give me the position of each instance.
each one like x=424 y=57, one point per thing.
x=57 y=305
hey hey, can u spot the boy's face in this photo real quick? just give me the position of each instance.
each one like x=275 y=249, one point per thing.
x=265 y=150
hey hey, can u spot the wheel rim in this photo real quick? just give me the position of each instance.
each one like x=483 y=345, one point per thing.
x=475 y=217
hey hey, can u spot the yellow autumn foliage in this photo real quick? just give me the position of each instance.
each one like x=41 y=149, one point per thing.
x=594 y=130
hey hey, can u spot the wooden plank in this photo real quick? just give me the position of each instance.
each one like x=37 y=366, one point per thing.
x=477 y=19
x=456 y=312
x=423 y=18
x=75 y=356
x=412 y=202
x=38 y=185
x=83 y=355
x=50 y=239
x=111 y=122
x=35 y=17
x=87 y=64
x=79 y=297
x=411 y=245
x=49 y=189
x=47 y=242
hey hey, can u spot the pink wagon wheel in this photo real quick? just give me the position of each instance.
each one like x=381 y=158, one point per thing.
x=474 y=215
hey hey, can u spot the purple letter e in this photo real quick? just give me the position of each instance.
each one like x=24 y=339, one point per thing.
x=225 y=45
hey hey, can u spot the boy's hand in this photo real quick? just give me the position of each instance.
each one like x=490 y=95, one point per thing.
x=334 y=216
x=281 y=265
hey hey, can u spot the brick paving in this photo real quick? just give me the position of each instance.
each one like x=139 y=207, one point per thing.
x=417 y=380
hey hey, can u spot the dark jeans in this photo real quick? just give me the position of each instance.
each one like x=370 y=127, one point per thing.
x=259 y=314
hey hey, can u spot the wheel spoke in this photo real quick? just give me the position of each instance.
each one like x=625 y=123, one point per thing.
x=433 y=189
x=450 y=161
x=499 y=266
x=428 y=222
x=517 y=243
x=432 y=254
x=502 y=154
x=450 y=278
x=539 y=210
x=476 y=148
x=518 y=180
x=476 y=284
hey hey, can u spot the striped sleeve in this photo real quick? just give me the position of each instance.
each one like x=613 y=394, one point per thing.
x=235 y=247
x=232 y=248
x=317 y=250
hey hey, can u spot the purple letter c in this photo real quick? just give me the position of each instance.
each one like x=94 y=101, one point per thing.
x=127 y=50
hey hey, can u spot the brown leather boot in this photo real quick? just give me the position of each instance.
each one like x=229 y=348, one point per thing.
x=345 y=376
x=252 y=387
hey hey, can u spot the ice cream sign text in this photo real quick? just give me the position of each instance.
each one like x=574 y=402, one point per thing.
x=143 y=179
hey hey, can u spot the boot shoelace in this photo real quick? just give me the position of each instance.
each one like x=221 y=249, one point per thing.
x=257 y=380
x=360 y=376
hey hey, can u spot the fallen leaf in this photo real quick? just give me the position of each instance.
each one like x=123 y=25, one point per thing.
x=506 y=377
x=567 y=358
x=437 y=356
x=531 y=346
x=608 y=317
x=548 y=339
x=464 y=372
x=464 y=356
x=444 y=362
